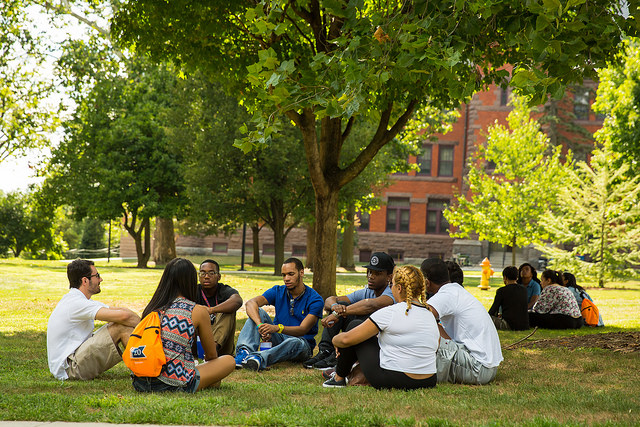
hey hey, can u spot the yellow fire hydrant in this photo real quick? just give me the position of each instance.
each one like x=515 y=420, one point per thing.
x=487 y=272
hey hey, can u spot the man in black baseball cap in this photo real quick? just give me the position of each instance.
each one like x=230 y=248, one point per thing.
x=357 y=305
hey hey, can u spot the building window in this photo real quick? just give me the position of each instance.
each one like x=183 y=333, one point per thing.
x=436 y=222
x=365 y=255
x=424 y=160
x=268 y=249
x=362 y=221
x=581 y=103
x=396 y=254
x=398 y=209
x=445 y=160
x=299 y=251
x=220 y=248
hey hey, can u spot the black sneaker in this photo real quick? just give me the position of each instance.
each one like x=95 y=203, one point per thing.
x=326 y=363
x=323 y=354
x=332 y=382
x=252 y=363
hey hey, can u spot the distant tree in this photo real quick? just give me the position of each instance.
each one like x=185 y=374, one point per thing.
x=618 y=99
x=115 y=161
x=26 y=225
x=227 y=187
x=25 y=117
x=512 y=179
x=597 y=220
x=93 y=234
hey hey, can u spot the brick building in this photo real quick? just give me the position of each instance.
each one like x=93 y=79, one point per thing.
x=410 y=224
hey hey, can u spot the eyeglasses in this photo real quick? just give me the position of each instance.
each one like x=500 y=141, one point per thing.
x=93 y=275
x=203 y=273
x=292 y=302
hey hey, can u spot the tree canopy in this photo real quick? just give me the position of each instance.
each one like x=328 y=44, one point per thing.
x=325 y=64
x=618 y=99
x=595 y=229
x=24 y=116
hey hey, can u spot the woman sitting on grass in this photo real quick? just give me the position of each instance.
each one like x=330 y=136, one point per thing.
x=579 y=293
x=180 y=319
x=556 y=308
x=396 y=346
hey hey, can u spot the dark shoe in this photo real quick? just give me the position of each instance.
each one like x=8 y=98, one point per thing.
x=326 y=363
x=328 y=373
x=323 y=354
x=331 y=382
x=252 y=363
x=241 y=355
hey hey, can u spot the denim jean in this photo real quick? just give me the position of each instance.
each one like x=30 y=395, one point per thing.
x=284 y=347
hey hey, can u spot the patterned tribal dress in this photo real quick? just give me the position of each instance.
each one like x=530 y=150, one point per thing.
x=177 y=336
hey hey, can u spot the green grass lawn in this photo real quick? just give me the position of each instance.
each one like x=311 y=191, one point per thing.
x=534 y=386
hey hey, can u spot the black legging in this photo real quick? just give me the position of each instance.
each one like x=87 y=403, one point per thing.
x=554 y=321
x=368 y=354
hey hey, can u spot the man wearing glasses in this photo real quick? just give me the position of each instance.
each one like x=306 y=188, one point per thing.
x=293 y=329
x=222 y=302
x=73 y=349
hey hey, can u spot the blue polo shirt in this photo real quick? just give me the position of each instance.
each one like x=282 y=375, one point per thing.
x=533 y=288
x=365 y=293
x=310 y=302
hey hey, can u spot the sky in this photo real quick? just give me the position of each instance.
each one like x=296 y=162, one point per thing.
x=15 y=174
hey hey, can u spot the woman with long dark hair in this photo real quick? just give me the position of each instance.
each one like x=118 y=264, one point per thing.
x=556 y=308
x=181 y=317
x=579 y=293
x=528 y=277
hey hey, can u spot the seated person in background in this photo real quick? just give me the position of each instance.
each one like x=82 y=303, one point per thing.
x=469 y=352
x=222 y=302
x=180 y=318
x=357 y=305
x=396 y=346
x=74 y=350
x=293 y=330
x=569 y=281
x=556 y=308
x=528 y=277
x=509 y=308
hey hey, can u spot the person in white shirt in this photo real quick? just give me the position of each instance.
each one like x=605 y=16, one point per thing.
x=396 y=346
x=74 y=351
x=469 y=351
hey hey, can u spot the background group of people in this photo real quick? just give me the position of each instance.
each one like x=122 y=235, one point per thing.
x=408 y=328
x=553 y=302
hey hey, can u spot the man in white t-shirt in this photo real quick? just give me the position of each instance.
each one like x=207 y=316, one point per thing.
x=469 y=352
x=73 y=349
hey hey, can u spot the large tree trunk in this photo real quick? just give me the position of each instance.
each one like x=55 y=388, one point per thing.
x=513 y=251
x=143 y=255
x=326 y=244
x=255 y=232
x=165 y=247
x=346 y=255
x=311 y=239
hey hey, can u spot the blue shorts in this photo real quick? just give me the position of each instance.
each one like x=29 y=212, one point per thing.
x=153 y=384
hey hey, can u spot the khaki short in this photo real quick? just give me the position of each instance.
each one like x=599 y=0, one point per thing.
x=94 y=356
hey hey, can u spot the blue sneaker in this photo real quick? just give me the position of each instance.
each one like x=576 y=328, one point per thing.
x=253 y=363
x=241 y=355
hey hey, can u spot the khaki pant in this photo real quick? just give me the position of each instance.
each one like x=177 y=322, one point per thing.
x=456 y=365
x=94 y=356
x=224 y=332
